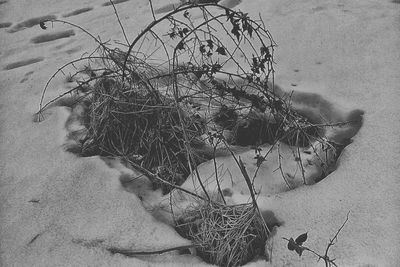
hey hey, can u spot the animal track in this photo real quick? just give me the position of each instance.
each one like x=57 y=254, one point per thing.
x=116 y=2
x=230 y=3
x=73 y=50
x=23 y=63
x=170 y=7
x=26 y=76
x=30 y=23
x=5 y=25
x=77 y=12
x=64 y=44
x=48 y=37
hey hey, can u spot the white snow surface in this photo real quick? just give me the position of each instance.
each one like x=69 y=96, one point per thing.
x=57 y=209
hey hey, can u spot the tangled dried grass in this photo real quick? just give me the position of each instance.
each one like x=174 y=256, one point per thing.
x=144 y=112
x=134 y=121
x=225 y=235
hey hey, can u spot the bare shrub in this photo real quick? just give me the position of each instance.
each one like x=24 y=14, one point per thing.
x=155 y=102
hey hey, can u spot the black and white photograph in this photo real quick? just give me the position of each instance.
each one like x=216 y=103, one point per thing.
x=258 y=133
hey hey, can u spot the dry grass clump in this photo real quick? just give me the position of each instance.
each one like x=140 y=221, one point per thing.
x=140 y=126
x=225 y=235
x=131 y=119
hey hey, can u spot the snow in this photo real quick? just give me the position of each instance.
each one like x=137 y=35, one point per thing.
x=61 y=210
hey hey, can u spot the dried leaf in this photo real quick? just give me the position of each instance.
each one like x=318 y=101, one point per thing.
x=202 y=49
x=172 y=34
x=264 y=50
x=180 y=46
x=210 y=43
x=186 y=14
x=301 y=239
x=260 y=160
x=220 y=50
x=185 y=31
x=250 y=30
x=247 y=27
x=230 y=15
x=291 y=244
x=198 y=74
x=236 y=30
x=42 y=25
x=299 y=250
x=215 y=68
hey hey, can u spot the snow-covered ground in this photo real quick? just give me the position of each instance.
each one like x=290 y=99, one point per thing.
x=57 y=209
